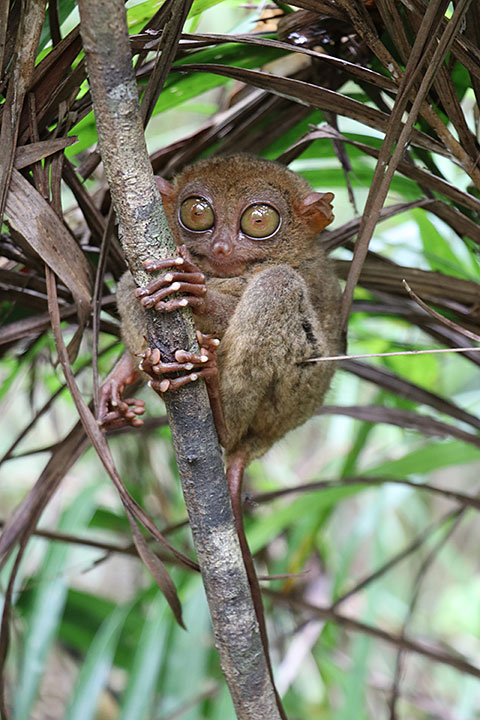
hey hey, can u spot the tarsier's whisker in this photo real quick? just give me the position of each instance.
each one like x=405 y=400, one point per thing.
x=392 y=354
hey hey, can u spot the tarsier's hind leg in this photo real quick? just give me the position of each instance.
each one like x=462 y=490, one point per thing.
x=265 y=385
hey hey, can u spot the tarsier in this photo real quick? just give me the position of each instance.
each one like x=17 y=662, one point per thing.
x=265 y=299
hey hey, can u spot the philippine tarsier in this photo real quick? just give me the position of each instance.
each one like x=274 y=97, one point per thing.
x=264 y=297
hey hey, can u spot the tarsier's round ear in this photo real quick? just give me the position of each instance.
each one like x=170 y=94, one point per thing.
x=316 y=208
x=167 y=191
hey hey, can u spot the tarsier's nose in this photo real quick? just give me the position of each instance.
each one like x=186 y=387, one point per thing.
x=222 y=248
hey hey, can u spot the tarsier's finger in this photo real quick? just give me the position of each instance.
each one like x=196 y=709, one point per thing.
x=136 y=422
x=153 y=264
x=151 y=300
x=110 y=396
x=130 y=407
x=150 y=356
x=163 y=368
x=197 y=278
x=177 y=303
x=152 y=364
x=184 y=253
x=184 y=261
x=133 y=407
x=207 y=341
x=137 y=402
x=175 y=383
x=103 y=400
x=114 y=392
x=183 y=356
x=114 y=420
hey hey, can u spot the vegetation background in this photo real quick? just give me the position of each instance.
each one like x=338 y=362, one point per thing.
x=368 y=513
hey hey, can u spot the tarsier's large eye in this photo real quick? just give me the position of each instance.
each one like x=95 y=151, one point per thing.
x=196 y=214
x=259 y=221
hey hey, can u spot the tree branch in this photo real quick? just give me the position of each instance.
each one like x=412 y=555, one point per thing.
x=145 y=233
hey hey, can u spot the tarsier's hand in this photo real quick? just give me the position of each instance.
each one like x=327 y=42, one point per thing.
x=192 y=365
x=184 y=277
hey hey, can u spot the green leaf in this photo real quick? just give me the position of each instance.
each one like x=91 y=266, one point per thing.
x=85 y=613
x=355 y=681
x=16 y=364
x=422 y=370
x=306 y=505
x=188 y=656
x=438 y=251
x=108 y=520
x=317 y=149
x=199 y=6
x=432 y=457
x=96 y=667
x=141 y=687
x=180 y=88
x=222 y=707
x=139 y=13
x=64 y=7
x=48 y=603
x=361 y=178
x=86 y=132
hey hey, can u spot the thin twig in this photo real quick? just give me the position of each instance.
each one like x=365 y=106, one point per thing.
x=394 y=354
x=445 y=321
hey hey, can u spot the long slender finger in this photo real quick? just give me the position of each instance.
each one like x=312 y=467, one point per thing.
x=114 y=420
x=163 y=368
x=113 y=393
x=207 y=341
x=136 y=401
x=177 y=303
x=151 y=361
x=130 y=407
x=184 y=261
x=184 y=253
x=150 y=355
x=154 y=264
x=195 y=278
x=133 y=407
x=191 y=377
x=103 y=403
x=183 y=356
x=151 y=300
x=167 y=384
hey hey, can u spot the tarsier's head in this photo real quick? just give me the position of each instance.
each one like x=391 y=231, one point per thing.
x=236 y=211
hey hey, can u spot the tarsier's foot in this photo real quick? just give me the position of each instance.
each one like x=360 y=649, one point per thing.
x=183 y=277
x=115 y=412
x=193 y=365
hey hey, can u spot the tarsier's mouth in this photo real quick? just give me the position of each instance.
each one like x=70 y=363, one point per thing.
x=227 y=269
x=221 y=267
